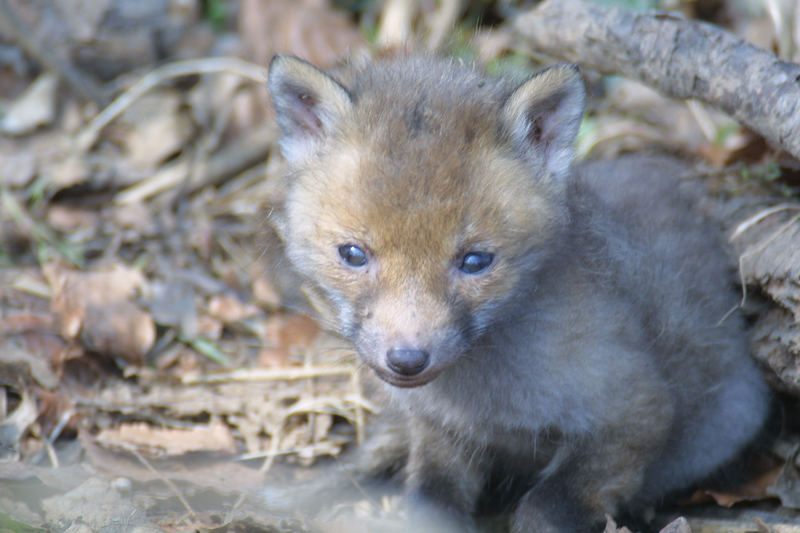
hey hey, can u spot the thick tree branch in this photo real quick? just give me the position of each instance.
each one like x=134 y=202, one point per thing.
x=679 y=57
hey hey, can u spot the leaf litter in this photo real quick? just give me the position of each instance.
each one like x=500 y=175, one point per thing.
x=158 y=361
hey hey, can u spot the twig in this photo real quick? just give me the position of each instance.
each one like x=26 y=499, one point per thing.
x=761 y=215
x=268 y=374
x=164 y=179
x=296 y=449
x=356 y=382
x=88 y=136
x=174 y=488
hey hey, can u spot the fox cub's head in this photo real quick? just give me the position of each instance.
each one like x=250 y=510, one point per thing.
x=423 y=198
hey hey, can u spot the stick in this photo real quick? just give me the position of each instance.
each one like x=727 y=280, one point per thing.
x=264 y=374
x=679 y=57
x=243 y=68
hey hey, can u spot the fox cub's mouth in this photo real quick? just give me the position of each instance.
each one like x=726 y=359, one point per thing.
x=406 y=382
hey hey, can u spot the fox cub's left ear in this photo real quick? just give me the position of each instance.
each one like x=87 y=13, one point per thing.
x=309 y=105
x=544 y=114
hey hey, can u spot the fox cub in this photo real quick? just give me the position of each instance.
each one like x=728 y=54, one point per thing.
x=551 y=333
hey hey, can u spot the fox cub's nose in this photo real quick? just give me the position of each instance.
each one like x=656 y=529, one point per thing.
x=407 y=361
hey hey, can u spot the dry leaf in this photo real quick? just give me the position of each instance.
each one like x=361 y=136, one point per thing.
x=265 y=293
x=35 y=107
x=14 y=426
x=156 y=138
x=274 y=357
x=216 y=437
x=679 y=525
x=30 y=356
x=755 y=489
x=611 y=526
x=156 y=127
x=284 y=335
x=290 y=331
x=66 y=170
x=17 y=169
x=137 y=216
x=119 y=328
x=230 y=309
x=209 y=327
x=97 y=304
x=70 y=219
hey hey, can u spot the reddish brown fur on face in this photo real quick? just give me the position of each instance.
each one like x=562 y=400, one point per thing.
x=418 y=186
x=417 y=177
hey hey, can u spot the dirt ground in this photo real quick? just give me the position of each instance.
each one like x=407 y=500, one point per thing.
x=159 y=364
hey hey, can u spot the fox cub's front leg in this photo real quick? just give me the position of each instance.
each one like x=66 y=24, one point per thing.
x=442 y=483
x=596 y=476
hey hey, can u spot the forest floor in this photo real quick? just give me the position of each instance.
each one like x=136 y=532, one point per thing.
x=158 y=362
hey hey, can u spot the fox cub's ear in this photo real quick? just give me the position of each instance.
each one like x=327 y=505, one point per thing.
x=544 y=113
x=308 y=103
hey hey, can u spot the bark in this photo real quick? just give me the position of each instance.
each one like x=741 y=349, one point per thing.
x=681 y=58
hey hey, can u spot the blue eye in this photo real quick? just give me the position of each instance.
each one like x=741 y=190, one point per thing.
x=475 y=262
x=353 y=255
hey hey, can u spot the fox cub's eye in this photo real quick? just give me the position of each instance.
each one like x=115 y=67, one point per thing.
x=475 y=262
x=353 y=255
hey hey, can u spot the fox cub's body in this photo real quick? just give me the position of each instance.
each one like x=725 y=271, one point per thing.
x=551 y=329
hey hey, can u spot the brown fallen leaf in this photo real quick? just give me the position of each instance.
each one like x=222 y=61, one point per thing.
x=159 y=127
x=291 y=330
x=121 y=329
x=35 y=107
x=266 y=293
x=755 y=489
x=611 y=526
x=209 y=327
x=215 y=437
x=32 y=357
x=97 y=305
x=285 y=334
x=17 y=168
x=679 y=525
x=230 y=309
x=70 y=219
x=25 y=321
x=66 y=170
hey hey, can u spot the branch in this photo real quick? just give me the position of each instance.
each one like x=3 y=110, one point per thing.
x=679 y=57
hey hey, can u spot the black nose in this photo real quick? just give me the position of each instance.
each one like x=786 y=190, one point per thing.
x=407 y=361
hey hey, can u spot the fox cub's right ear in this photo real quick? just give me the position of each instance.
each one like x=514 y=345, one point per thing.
x=543 y=116
x=309 y=105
